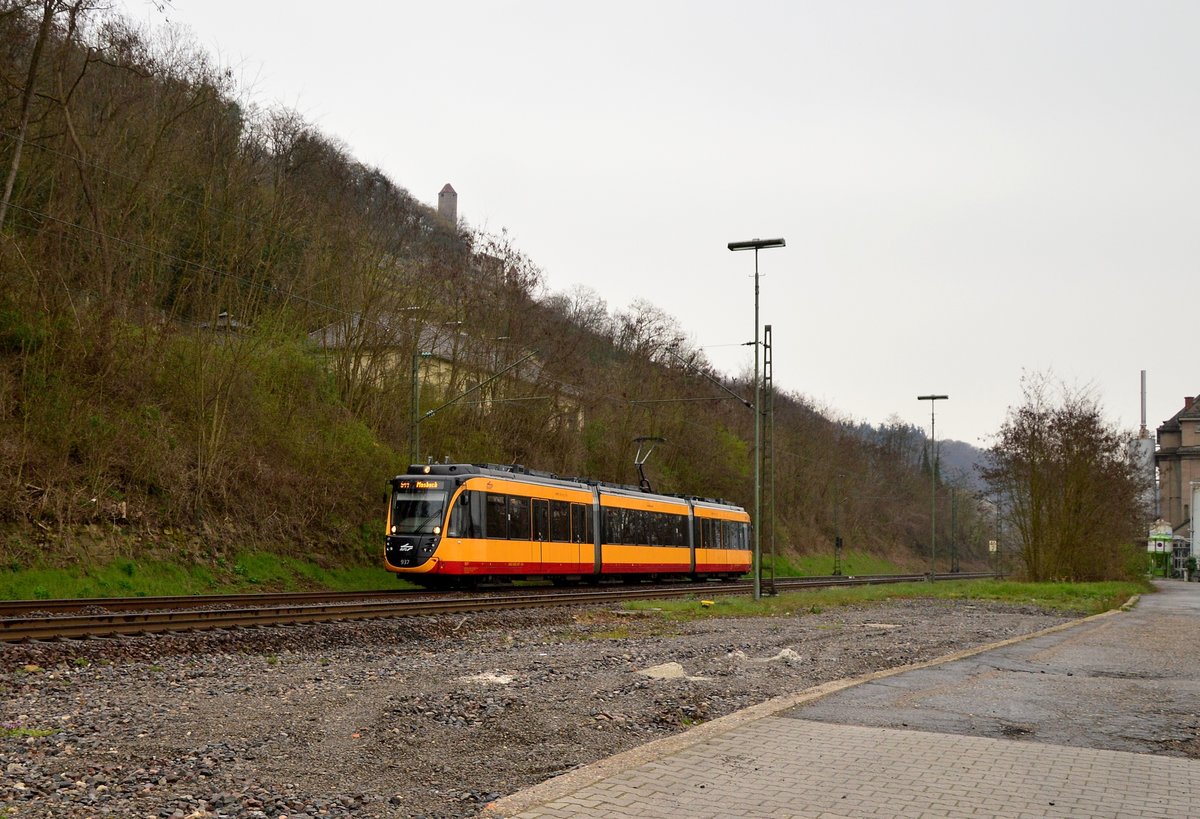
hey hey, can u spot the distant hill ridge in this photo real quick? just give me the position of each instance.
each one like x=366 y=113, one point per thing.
x=960 y=460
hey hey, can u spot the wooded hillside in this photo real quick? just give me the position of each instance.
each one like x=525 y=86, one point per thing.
x=166 y=253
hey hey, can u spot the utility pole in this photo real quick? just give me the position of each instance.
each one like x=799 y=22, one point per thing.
x=837 y=537
x=933 y=470
x=757 y=245
x=954 y=530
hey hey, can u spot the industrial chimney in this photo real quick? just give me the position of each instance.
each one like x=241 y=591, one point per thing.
x=1143 y=454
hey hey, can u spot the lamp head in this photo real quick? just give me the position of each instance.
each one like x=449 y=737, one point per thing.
x=756 y=244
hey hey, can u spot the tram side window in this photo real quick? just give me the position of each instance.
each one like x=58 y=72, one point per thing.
x=664 y=528
x=560 y=521
x=496 y=516
x=615 y=525
x=698 y=532
x=709 y=542
x=541 y=519
x=581 y=523
x=631 y=526
x=626 y=527
x=678 y=525
x=732 y=530
x=460 y=517
x=519 y=518
x=475 y=524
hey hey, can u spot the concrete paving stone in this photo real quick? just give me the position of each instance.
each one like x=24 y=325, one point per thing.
x=591 y=802
x=949 y=761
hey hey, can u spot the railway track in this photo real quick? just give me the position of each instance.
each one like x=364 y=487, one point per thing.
x=13 y=608
x=129 y=616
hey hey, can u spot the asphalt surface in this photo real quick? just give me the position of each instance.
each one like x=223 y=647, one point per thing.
x=1125 y=683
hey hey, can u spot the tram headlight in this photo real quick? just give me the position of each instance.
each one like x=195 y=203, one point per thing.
x=437 y=530
x=393 y=530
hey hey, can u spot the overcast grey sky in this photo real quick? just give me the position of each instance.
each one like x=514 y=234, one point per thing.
x=967 y=189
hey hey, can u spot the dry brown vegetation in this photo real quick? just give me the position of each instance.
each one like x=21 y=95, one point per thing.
x=1070 y=487
x=166 y=253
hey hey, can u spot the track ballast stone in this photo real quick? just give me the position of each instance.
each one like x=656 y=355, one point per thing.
x=413 y=717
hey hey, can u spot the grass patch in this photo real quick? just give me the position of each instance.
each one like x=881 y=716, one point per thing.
x=820 y=565
x=1086 y=598
x=291 y=574
x=246 y=572
x=1074 y=598
x=118 y=578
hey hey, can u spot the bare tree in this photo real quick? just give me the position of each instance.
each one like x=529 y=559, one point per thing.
x=50 y=9
x=1066 y=484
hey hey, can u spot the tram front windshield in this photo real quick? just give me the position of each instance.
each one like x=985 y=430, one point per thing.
x=418 y=513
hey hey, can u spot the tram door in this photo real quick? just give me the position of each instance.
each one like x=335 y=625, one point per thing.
x=541 y=529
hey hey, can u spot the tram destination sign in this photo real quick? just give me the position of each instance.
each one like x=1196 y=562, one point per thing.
x=401 y=485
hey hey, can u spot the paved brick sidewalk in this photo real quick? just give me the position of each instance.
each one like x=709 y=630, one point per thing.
x=781 y=767
x=803 y=755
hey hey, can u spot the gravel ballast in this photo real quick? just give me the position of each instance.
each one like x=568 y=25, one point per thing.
x=429 y=717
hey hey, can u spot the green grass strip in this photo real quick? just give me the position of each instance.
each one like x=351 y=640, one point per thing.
x=1069 y=598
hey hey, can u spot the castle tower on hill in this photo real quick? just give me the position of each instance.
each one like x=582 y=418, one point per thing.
x=448 y=204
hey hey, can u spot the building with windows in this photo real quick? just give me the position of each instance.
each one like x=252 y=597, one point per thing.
x=1178 y=462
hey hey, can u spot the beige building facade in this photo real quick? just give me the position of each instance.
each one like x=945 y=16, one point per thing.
x=1178 y=461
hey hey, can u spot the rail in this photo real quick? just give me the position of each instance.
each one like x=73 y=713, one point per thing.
x=277 y=609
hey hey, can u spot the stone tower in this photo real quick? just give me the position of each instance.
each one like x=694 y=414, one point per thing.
x=448 y=204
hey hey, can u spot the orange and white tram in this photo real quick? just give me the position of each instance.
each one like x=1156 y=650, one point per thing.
x=450 y=523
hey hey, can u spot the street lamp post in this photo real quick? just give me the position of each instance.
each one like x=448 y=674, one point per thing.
x=757 y=245
x=932 y=399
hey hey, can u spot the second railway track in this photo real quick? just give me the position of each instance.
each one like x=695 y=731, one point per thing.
x=123 y=616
